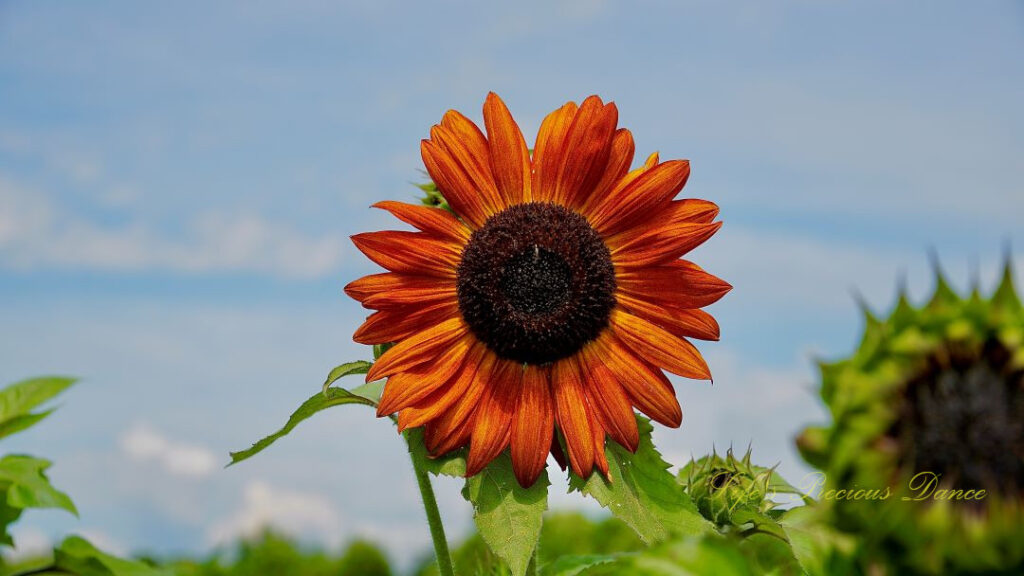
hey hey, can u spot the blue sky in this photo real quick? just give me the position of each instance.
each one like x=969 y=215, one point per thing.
x=178 y=183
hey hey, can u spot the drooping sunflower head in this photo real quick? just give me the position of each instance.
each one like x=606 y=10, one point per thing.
x=931 y=407
x=540 y=292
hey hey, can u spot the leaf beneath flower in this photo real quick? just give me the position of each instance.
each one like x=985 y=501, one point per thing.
x=508 y=516
x=642 y=492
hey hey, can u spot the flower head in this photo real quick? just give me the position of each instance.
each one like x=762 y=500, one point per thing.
x=550 y=295
x=930 y=410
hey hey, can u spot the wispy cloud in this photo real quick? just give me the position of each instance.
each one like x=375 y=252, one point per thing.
x=145 y=444
x=291 y=511
x=36 y=232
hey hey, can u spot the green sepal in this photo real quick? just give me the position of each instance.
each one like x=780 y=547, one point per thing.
x=1005 y=297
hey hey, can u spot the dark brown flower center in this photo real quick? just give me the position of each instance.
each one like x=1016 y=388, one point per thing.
x=963 y=417
x=536 y=283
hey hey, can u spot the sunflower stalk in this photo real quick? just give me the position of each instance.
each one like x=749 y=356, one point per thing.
x=444 y=557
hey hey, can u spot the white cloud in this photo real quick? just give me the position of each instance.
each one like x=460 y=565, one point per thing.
x=144 y=444
x=29 y=542
x=296 y=513
x=105 y=541
x=35 y=232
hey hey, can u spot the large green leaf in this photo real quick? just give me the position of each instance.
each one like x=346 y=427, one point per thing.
x=508 y=516
x=18 y=399
x=575 y=565
x=319 y=401
x=818 y=548
x=686 y=556
x=642 y=492
x=26 y=484
x=77 y=556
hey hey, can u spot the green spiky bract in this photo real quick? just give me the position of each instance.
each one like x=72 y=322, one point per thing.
x=871 y=451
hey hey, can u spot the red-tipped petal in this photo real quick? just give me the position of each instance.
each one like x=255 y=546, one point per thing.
x=532 y=426
x=493 y=423
x=510 y=160
x=661 y=347
x=410 y=252
x=428 y=219
x=573 y=416
x=423 y=347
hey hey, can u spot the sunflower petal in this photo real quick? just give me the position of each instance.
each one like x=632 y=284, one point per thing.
x=468 y=146
x=660 y=246
x=452 y=428
x=413 y=291
x=619 y=160
x=441 y=400
x=549 y=151
x=646 y=386
x=493 y=423
x=455 y=185
x=691 y=210
x=643 y=196
x=678 y=284
x=573 y=416
x=609 y=401
x=665 y=349
x=532 y=426
x=510 y=160
x=410 y=252
x=693 y=323
x=415 y=350
x=406 y=388
x=587 y=147
x=428 y=219
x=398 y=324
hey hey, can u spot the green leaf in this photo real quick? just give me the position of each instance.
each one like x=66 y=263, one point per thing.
x=27 y=486
x=19 y=398
x=371 y=390
x=687 y=556
x=358 y=367
x=818 y=548
x=77 y=556
x=451 y=464
x=8 y=515
x=319 y=401
x=508 y=516
x=19 y=423
x=575 y=565
x=642 y=492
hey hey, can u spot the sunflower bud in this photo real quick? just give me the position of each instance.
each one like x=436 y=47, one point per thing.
x=723 y=486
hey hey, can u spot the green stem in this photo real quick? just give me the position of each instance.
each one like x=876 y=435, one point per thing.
x=444 y=558
x=531 y=568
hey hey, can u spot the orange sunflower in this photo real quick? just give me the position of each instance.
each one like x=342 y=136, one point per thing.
x=551 y=296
